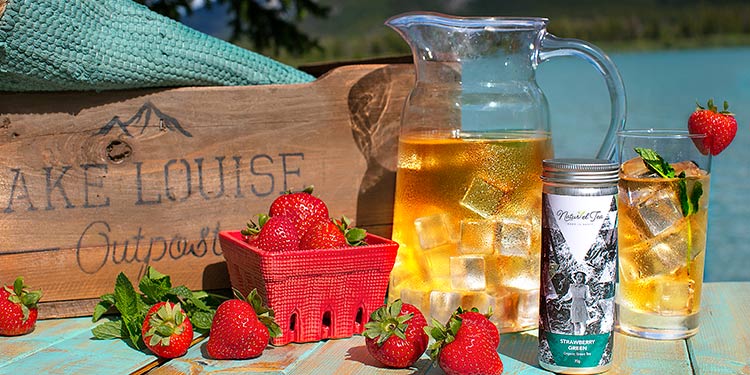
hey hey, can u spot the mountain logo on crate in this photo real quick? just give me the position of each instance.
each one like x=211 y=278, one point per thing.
x=147 y=116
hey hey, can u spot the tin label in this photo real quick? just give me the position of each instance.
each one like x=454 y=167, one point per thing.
x=579 y=252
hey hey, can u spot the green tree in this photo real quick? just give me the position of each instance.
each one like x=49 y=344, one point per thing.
x=267 y=24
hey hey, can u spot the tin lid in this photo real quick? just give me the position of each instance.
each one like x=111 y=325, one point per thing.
x=592 y=171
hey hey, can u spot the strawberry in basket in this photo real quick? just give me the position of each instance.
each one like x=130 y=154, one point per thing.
x=299 y=221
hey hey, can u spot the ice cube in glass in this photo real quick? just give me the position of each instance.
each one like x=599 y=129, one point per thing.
x=417 y=297
x=527 y=308
x=478 y=236
x=438 y=260
x=675 y=296
x=468 y=272
x=515 y=238
x=483 y=198
x=659 y=211
x=434 y=230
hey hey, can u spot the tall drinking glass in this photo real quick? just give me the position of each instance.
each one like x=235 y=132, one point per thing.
x=663 y=212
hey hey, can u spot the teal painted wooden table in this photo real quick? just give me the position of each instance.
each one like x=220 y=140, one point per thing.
x=65 y=346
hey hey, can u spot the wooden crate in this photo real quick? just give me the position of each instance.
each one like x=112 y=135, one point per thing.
x=92 y=184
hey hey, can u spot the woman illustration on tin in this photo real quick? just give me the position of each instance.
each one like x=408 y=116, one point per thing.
x=578 y=293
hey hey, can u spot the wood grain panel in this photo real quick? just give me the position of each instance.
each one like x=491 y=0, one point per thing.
x=93 y=184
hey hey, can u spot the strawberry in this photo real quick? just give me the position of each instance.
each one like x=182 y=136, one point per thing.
x=166 y=330
x=466 y=344
x=719 y=128
x=329 y=233
x=476 y=321
x=241 y=328
x=302 y=207
x=395 y=334
x=18 y=310
x=275 y=233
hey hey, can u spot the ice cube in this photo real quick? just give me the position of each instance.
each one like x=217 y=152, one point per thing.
x=662 y=255
x=630 y=264
x=468 y=272
x=503 y=310
x=417 y=297
x=515 y=238
x=443 y=303
x=635 y=167
x=527 y=308
x=483 y=198
x=675 y=296
x=438 y=260
x=434 y=230
x=689 y=167
x=659 y=211
x=478 y=236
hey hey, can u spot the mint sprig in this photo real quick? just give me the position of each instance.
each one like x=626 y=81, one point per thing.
x=132 y=306
x=655 y=163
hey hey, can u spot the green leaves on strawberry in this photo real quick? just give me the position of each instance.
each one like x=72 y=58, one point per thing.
x=166 y=330
x=466 y=344
x=241 y=328
x=18 y=309
x=395 y=334
x=354 y=236
x=720 y=127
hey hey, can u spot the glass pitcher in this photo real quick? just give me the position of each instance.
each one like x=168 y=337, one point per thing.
x=474 y=132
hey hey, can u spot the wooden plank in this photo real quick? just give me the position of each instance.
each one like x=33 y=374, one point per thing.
x=47 y=333
x=93 y=184
x=70 y=349
x=274 y=360
x=722 y=345
x=634 y=355
x=631 y=355
x=350 y=356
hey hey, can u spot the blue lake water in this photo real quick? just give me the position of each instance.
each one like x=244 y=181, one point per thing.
x=662 y=88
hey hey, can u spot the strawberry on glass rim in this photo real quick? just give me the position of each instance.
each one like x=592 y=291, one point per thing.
x=720 y=127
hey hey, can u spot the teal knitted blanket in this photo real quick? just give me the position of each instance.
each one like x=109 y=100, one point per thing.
x=51 y=45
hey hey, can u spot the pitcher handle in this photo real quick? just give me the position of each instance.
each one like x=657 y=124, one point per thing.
x=553 y=46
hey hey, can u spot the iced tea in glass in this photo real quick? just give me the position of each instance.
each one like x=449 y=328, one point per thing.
x=663 y=212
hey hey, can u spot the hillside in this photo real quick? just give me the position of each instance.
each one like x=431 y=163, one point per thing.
x=354 y=29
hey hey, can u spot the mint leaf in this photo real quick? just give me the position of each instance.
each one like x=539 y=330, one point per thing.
x=689 y=203
x=108 y=330
x=130 y=306
x=154 y=285
x=687 y=209
x=695 y=195
x=99 y=310
x=655 y=163
x=126 y=300
x=201 y=320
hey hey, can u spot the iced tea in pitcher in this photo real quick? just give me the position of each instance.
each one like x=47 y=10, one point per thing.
x=467 y=215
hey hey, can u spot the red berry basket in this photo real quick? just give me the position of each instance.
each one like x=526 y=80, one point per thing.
x=315 y=294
